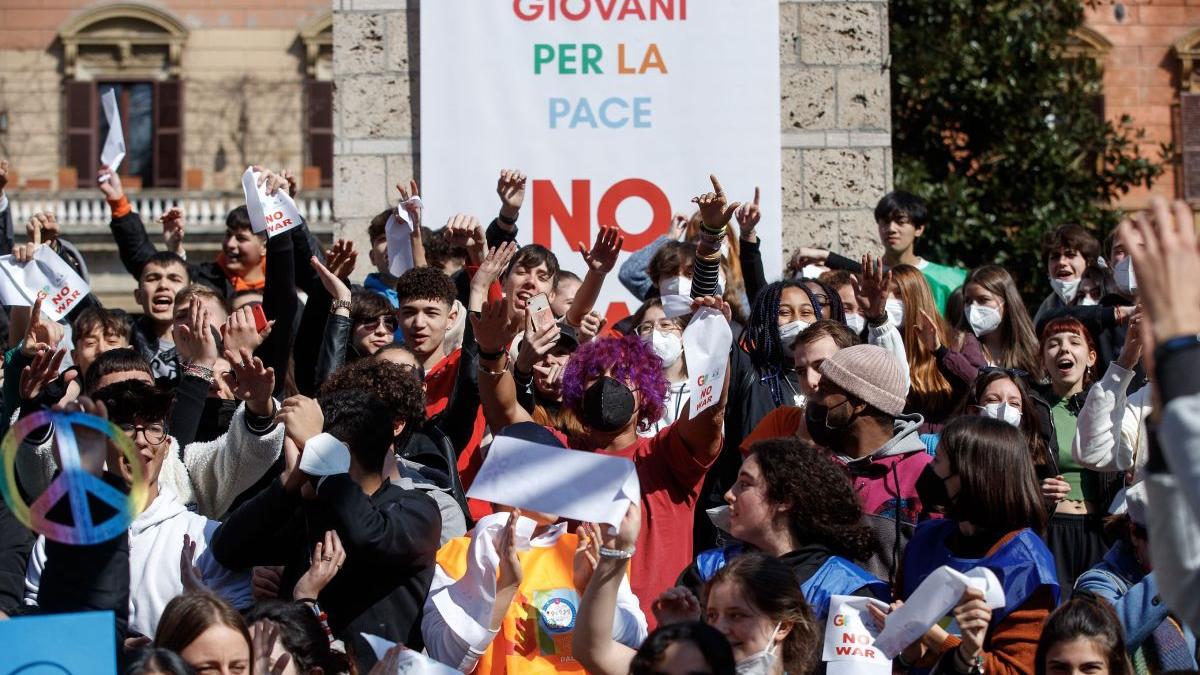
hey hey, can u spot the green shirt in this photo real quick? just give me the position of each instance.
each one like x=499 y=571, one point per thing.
x=1064 y=432
x=943 y=281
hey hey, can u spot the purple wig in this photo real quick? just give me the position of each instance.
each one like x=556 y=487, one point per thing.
x=628 y=359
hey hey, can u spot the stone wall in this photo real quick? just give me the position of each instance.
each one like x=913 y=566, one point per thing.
x=835 y=100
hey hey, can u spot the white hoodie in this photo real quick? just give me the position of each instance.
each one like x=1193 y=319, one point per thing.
x=155 y=545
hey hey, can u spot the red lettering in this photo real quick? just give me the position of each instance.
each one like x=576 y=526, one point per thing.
x=577 y=16
x=606 y=12
x=660 y=221
x=631 y=7
x=576 y=224
x=535 y=11
x=849 y=637
x=615 y=312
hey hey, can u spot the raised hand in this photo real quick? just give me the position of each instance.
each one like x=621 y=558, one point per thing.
x=189 y=573
x=42 y=334
x=250 y=381
x=172 y=225
x=927 y=332
x=748 y=216
x=511 y=188
x=341 y=258
x=23 y=253
x=293 y=186
x=240 y=331
x=537 y=343
x=590 y=326
x=603 y=256
x=463 y=230
x=42 y=228
x=804 y=256
x=551 y=375
x=193 y=337
x=110 y=183
x=678 y=229
x=1131 y=350
x=302 y=419
x=676 y=605
x=1168 y=268
x=626 y=537
x=494 y=327
x=40 y=372
x=872 y=290
x=265 y=581
x=413 y=210
x=587 y=555
x=490 y=269
x=264 y=633
x=715 y=302
x=511 y=574
x=327 y=560
x=715 y=208
x=269 y=180
x=334 y=286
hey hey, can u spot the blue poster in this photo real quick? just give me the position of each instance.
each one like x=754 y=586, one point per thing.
x=59 y=644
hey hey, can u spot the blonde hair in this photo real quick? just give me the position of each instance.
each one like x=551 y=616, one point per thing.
x=929 y=386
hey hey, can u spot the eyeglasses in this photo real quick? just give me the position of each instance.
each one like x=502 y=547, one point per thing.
x=373 y=324
x=154 y=433
x=645 y=328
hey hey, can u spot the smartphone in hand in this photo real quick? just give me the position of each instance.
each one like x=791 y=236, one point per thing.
x=260 y=317
x=539 y=308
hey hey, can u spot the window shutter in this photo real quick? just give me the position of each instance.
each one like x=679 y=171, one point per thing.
x=168 y=133
x=83 y=150
x=320 y=129
x=1190 y=123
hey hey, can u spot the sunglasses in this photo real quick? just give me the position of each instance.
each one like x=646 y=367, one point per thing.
x=1011 y=372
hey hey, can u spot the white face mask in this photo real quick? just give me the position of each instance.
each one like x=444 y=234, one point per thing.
x=762 y=662
x=668 y=346
x=1003 y=412
x=1088 y=301
x=895 y=312
x=983 y=319
x=856 y=322
x=1124 y=277
x=788 y=333
x=676 y=286
x=1065 y=289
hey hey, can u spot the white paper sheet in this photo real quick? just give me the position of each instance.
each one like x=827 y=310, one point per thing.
x=46 y=274
x=584 y=486
x=411 y=663
x=273 y=214
x=114 y=142
x=850 y=635
x=937 y=595
x=706 y=343
x=399 y=242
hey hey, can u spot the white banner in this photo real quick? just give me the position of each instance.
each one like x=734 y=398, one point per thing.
x=273 y=214
x=114 y=143
x=706 y=343
x=618 y=111
x=47 y=275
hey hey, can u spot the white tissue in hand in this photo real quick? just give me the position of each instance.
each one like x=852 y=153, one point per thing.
x=325 y=455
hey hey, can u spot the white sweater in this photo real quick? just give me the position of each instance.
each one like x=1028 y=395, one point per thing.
x=211 y=474
x=1174 y=511
x=155 y=546
x=1110 y=434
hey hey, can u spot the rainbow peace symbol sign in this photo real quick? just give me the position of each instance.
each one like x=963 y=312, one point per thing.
x=73 y=482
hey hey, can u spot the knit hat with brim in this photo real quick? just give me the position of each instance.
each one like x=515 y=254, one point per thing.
x=870 y=374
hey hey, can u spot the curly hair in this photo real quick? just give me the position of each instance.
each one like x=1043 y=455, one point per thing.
x=425 y=283
x=389 y=382
x=628 y=359
x=771 y=588
x=824 y=508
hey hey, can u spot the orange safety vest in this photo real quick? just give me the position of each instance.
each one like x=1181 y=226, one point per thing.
x=535 y=636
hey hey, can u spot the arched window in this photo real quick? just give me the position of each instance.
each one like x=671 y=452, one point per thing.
x=317 y=37
x=133 y=50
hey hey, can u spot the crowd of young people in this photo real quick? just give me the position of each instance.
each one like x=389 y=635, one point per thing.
x=306 y=446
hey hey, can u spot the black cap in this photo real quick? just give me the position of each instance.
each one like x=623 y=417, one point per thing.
x=568 y=337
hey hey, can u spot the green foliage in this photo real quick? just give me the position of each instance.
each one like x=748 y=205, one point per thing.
x=997 y=127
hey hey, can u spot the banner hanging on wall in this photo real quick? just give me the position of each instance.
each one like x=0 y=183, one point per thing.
x=618 y=111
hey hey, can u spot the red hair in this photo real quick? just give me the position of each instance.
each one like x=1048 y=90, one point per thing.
x=1066 y=324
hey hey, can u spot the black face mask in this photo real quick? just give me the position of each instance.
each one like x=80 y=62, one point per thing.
x=931 y=490
x=823 y=434
x=607 y=405
x=215 y=418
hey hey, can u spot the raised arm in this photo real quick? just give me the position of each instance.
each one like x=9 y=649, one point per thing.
x=511 y=189
x=600 y=260
x=748 y=217
x=494 y=331
x=414 y=209
x=133 y=244
x=592 y=642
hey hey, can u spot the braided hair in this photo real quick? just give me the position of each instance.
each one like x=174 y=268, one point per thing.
x=760 y=336
x=837 y=311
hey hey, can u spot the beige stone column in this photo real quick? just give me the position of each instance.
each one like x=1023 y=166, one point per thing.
x=835 y=100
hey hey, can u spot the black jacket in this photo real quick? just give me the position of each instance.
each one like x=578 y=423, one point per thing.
x=390 y=538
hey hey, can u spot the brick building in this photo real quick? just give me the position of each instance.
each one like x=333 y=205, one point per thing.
x=204 y=88
x=1149 y=50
